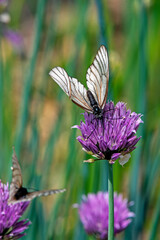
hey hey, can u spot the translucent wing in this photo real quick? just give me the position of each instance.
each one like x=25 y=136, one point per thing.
x=31 y=195
x=16 y=182
x=60 y=76
x=72 y=87
x=98 y=76
x=17 y=192
x=79 y=95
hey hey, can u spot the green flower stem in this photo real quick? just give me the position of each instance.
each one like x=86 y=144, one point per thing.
x=111 y=203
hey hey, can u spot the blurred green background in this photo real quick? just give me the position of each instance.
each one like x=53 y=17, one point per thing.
x=36 y=116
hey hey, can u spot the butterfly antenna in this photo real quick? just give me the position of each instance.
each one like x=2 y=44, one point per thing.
x=95 y=128
x=113 y=118
x=14 y=152
x=33 y=189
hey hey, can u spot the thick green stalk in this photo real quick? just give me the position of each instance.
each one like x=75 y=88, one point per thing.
x=111 y=203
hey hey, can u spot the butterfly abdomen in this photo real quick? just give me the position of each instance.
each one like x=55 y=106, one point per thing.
x=22 y=192
x=96 y=109
x=91 y=98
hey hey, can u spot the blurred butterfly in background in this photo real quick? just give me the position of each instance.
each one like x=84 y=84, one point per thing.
x=92 y=100
x=17 y=192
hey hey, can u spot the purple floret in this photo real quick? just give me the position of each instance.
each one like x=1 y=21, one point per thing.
x=10 y=225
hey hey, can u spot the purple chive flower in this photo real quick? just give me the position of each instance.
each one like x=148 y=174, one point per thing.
x=94 y=214
x=3 y=3
x=111 y=137
x=14 y=37
x=10 y=226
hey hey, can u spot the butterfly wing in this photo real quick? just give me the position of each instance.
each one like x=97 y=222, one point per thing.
x=72 y=87
x=31 y=195
x=16 y=182
x=79 y=95
x=98 y=76
x=60 y=76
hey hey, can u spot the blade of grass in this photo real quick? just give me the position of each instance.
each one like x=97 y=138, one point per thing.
x=155 y=221
x=49 y=150
x=29 y=77
x=141 y=106
x=102 y=24
x=1 y=105
x=70 y=181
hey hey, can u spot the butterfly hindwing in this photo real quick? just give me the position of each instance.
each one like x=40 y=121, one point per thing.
x=35 y=194
x=31 y=195
x=98 y=76
x=79 y=95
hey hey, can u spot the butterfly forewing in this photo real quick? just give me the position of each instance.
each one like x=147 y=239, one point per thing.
x=16 y=182
x=98 y=76
x=72 y=87
x=62 y=79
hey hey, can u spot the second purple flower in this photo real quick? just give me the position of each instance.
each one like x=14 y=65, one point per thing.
x=94 y=214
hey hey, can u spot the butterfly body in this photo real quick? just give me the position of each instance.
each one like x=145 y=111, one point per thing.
x=97 y=111
x=21 y=193
x=17 y=192
x=92 y=100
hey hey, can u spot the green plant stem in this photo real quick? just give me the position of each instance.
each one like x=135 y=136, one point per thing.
x=111 y=203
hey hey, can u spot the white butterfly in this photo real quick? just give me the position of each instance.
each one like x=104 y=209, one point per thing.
x=17 y=192
x=93 y=99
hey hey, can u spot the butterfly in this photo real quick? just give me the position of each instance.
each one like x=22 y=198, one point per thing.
x=92 y=100
x=17 y=192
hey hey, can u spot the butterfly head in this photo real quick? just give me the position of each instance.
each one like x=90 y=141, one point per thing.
x=98 y=112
